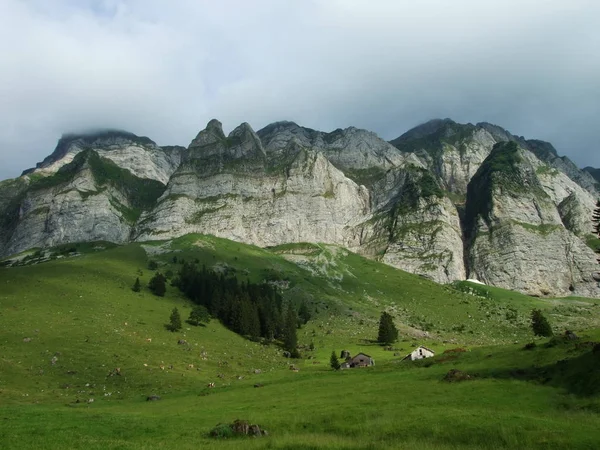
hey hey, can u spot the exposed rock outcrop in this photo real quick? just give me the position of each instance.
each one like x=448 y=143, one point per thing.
x=444 y=200
x=515 y=233
x=141 y=156
x=229 y=188
x=88 y=199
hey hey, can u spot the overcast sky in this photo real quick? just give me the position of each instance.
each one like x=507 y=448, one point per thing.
x=163 y=68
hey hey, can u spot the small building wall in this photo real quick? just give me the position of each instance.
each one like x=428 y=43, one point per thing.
x=421 y=353
x=362 y=360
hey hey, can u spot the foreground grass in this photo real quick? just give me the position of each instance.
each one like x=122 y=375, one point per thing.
x=66 y=325
x=394 y=406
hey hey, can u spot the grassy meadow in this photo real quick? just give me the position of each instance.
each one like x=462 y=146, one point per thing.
x=69 y=323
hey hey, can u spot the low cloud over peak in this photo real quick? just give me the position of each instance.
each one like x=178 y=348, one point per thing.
x=163 y=69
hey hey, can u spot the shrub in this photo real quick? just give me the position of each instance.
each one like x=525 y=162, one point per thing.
x=198 y=315
x=222 y=431
x=152 y=265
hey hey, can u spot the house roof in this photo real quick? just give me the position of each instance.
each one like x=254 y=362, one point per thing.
x=420 y=346
x=364 y=354
x=423 y=347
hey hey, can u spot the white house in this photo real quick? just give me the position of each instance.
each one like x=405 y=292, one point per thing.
x=419 y=353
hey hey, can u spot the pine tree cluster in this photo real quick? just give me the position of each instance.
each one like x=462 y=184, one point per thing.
x=249 y=309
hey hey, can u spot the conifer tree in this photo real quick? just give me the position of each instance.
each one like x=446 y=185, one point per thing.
x=174 y=320
x=304 y=314
x=387 y=330
x=539 y=324
x=334 y=361
x=158 y=284
x=136 y=286
x=290 y=339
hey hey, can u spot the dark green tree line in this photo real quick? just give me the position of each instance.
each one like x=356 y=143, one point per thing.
x=250 y=309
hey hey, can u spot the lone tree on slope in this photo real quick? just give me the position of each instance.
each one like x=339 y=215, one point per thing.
x=539 y=324
x=387 y=330
x=174 y=321
x=136 y=286
x=198 y=315
x=334 y=361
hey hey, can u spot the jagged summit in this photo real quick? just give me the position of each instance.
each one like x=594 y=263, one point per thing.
x=444 y=200
x=90 y=139
x=425 y=129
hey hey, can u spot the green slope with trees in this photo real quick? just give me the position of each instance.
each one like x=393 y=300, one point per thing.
x=74 y=331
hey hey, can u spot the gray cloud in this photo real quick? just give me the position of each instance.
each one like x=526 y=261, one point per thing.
x=163 y=69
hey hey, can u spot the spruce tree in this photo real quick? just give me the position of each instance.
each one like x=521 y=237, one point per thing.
x=290 y=339
x=334 y=361
x=158 y=284
x=539 y=324
x=387 y=330
x=174 y=320
x=136 y=286
x=304 y=314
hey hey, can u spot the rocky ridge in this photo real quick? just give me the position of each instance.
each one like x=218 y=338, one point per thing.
x=440 y=200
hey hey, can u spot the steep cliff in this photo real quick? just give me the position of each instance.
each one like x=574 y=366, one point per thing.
x=230 y=187
x=444 y=200
x=417 y=229
x=141 y=156
x=515 y=234
x=89 y=198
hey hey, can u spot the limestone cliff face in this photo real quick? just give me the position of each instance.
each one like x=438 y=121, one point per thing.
x=228 y=187
x=444 y=200
x=453 y=152
x=414 y=226
x=78 y=203
x=141 y=156
x=516 y=236
x=360 y=154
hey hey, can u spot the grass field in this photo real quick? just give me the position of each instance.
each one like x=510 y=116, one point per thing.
x=67 y=324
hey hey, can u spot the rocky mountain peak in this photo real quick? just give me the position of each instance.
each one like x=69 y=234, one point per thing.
x=243 y=141
x=446 y=199
x=425 y=129
x=212 y=134
x=106 y=139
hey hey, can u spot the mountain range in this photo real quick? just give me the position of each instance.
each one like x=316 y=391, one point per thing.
x=445 y=200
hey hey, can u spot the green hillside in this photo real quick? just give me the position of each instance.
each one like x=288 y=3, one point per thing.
x=69 y=323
